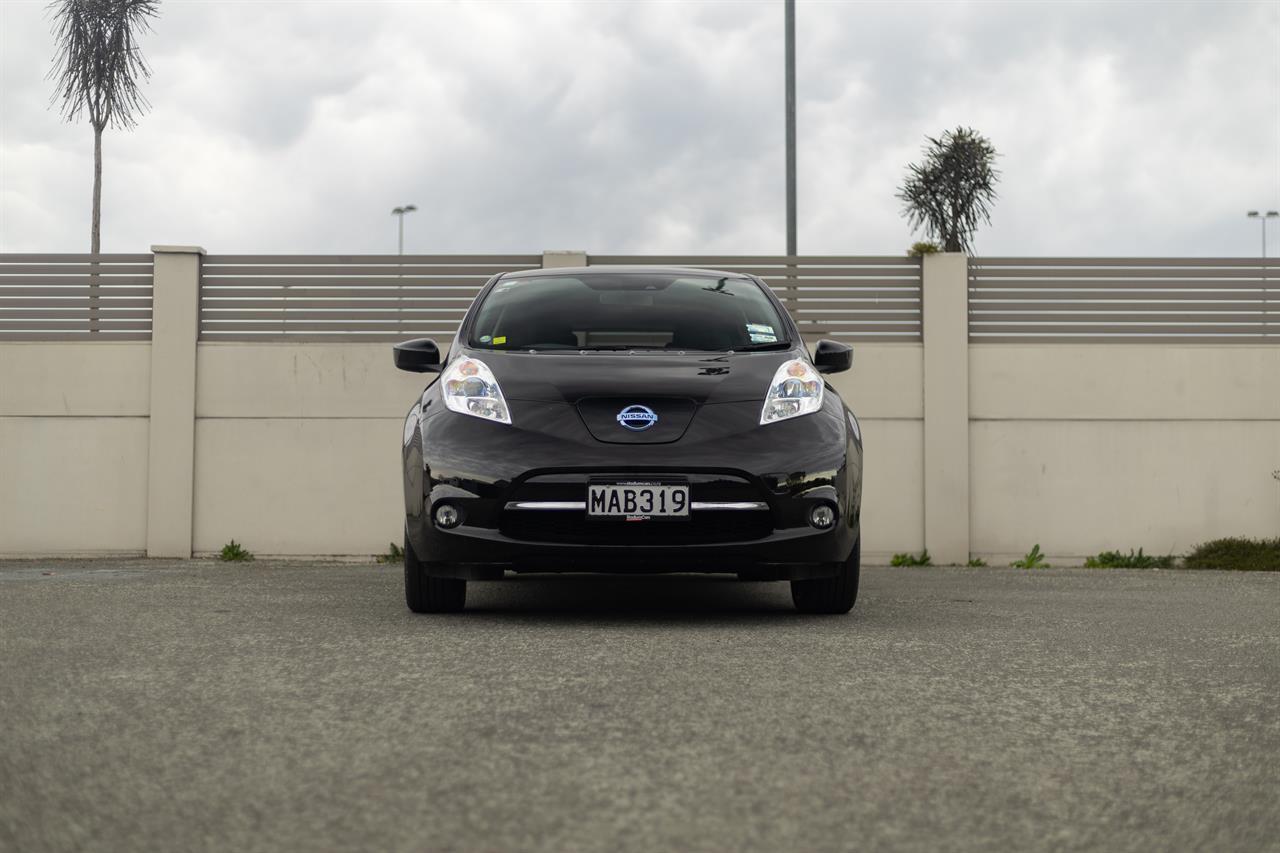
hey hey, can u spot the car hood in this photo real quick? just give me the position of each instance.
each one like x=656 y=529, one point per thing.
x=667 y=388
x=700 y=378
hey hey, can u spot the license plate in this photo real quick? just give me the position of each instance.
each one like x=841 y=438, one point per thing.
x=637 y=501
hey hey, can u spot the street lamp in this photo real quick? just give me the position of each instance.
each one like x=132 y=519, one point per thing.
x=400 y=212
x=1262 y=220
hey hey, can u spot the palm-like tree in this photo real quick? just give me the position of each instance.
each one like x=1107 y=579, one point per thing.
x=951 y=190
x=97 y=70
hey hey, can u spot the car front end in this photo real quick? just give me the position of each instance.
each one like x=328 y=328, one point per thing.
x=527 y=456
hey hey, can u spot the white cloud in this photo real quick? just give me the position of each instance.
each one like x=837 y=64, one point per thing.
x=1124 y=128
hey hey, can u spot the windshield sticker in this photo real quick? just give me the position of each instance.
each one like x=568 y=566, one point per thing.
x=759 y=328
x=500 y=340
x=484 y=339
x=757 y=338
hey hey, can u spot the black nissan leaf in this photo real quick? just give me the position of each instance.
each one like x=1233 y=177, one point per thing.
x=630 y=419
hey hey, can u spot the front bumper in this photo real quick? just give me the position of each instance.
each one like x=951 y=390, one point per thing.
x=522 y=497
x=543 y=529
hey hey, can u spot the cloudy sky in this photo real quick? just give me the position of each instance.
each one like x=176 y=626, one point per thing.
x=1124 y=128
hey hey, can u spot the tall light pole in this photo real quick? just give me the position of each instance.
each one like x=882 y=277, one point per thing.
x=1262 y=220
x=400 y=212
x=791 y=124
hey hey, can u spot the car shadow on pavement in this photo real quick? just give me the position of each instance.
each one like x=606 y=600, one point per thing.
x=641 y=595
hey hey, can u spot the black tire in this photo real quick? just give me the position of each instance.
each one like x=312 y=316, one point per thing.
x=426 y=594
x=834 y=594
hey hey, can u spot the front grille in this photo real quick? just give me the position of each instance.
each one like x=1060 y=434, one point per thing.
x=572 y=486
x=702 y=527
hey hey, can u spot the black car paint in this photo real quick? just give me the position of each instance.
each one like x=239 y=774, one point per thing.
x=557 y=400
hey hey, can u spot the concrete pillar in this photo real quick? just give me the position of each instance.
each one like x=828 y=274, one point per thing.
x=175 y=323
x=563 y=258
x=945 y=306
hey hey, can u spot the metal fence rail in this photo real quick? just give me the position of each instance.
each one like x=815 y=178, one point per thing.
x=327 y=297
x=390 y=297
x=75 y=297
x=1116 y=300
x=851 y=298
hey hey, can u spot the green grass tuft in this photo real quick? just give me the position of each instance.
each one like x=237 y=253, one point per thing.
x=1116 y=560
x=234 y=552
x=912 y=559
x=394 y=554
x=1236 y=553
x=1033 y=560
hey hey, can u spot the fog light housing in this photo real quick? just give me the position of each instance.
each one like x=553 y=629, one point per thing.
x=447 y=516
x=822 y=516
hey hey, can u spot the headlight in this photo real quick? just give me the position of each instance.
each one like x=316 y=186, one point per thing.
x=796 y=390
x=468 y=387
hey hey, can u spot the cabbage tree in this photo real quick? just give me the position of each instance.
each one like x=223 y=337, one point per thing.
x=951 y=190
x=97 y=70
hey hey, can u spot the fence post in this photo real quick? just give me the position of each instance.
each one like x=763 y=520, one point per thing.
x=945 y=309
x=175 y=324
x=553 y=259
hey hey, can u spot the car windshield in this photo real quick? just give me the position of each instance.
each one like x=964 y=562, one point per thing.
x=625 y=311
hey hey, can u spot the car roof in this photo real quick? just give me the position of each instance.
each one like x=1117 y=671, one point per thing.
x=620 y=268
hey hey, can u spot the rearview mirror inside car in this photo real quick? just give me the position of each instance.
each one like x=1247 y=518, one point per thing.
x=832 y=357
x=420 y=355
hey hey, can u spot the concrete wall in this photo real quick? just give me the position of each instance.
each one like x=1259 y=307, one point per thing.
x=298 y=445
x=1079 y=448
x=73 y=447
x=1084 y=448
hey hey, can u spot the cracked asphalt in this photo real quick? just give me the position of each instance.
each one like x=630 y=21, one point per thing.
x=153 y=705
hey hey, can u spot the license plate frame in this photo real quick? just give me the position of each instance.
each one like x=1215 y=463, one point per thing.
x=650 y=500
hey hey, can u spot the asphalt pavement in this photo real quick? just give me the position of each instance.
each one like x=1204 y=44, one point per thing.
x=152 y=705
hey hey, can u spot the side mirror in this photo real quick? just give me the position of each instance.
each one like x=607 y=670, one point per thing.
x=832 y=357
x=420 y=355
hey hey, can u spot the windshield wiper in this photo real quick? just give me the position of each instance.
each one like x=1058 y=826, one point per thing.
x=608 y=348
x=760 y=347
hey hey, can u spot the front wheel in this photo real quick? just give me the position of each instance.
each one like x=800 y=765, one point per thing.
x=426 y=594
x=834 y=594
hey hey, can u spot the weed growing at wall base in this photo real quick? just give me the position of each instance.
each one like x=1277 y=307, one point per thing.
x=394 y=554
x=1116 y=560
x=234 y=552
x=1033 y=560
x=1238 y=553
x=912 y=559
